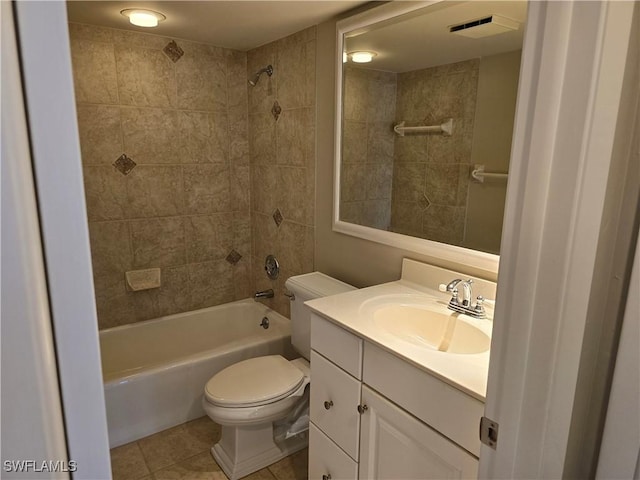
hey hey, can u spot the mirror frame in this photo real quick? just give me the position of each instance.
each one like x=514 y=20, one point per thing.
x=451 y=253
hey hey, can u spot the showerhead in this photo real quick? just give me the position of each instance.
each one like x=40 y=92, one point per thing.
x=268 y=70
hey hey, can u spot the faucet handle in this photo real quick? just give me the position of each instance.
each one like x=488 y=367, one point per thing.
x=479 y=307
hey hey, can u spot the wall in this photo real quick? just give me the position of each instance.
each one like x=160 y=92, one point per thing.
x=367 y=148
x=181 y=115
x=282 y=152
x=493 y=130
x=431 y=172
x=354 y=260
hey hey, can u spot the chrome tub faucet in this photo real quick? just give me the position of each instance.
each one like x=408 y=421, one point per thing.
x=264 y=294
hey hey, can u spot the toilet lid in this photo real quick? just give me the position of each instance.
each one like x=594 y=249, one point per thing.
x=253 y=382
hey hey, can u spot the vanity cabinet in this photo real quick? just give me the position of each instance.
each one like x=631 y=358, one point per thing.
x=395 y=444
x=374 y=416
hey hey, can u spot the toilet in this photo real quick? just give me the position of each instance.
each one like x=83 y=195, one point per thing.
x=254 y=399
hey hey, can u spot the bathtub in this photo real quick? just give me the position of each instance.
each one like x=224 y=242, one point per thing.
x=154 y=371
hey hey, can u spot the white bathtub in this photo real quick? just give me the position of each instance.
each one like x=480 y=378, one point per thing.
x=155 y=371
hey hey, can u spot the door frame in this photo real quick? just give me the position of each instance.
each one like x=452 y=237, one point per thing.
x=573 y=66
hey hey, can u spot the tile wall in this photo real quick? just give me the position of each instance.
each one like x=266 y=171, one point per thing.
x=282 y=154
x=164 y=139
x=367 y=146
x=190 y=170
x=431 y=172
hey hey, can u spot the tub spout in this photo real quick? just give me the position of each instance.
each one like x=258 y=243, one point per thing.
x=264 y=294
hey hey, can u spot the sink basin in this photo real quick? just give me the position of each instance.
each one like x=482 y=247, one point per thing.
x=432 y=326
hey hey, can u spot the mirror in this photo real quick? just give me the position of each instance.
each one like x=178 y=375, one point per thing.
x=452 y=67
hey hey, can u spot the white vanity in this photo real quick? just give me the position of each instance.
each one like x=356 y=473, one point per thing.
x=398 y=380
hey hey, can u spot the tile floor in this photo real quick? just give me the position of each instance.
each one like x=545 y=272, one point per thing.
x=183 y=453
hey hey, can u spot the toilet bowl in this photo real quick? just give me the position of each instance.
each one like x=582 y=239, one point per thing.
x=253 y=399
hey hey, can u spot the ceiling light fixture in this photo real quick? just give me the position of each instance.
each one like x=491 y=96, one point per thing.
x=143 y=18
x=362 y=57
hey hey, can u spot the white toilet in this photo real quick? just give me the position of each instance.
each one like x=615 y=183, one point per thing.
x=249 y=398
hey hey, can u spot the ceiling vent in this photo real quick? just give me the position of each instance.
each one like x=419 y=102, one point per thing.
x=485 y=27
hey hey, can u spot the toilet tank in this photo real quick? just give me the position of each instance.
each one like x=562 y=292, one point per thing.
x=307 y=287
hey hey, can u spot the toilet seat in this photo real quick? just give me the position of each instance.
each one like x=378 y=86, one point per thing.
x=254 y=382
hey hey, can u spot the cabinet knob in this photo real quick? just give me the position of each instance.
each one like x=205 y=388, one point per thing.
x=327 y=406
x=362 y=409
x=326 y=477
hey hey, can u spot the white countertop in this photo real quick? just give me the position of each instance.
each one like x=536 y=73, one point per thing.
x=352 y=310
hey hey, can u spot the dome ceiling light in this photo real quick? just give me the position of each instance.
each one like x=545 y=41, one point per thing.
x=362 y=56
x=143 y=18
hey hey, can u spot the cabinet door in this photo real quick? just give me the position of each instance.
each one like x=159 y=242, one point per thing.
x=326 y=460
x=335 y=396
x=394 y=444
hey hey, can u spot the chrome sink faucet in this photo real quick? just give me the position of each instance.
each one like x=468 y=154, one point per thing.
x=464 y=304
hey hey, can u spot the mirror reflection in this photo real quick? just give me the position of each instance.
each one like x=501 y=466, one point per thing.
x=453 y=67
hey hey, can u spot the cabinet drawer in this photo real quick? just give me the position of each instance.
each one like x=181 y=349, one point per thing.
x=326 y=460
x=453 y=413
x=335 y=343
x=335 y=396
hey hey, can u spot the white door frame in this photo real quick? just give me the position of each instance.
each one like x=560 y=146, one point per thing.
x=31 y=413
x=45 y=57
x=620 y=450
x=574 y=61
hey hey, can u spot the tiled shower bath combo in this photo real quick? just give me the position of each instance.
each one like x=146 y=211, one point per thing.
x=191 y=171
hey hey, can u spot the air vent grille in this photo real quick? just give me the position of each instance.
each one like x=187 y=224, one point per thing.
x=473 y=23
x=485 y=26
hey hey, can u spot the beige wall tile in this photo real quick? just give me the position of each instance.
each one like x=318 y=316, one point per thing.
x=157 y=242
x=296 y=247
x=262 y=138
x=377 y=213
x=406 y=217
x=174 y=296
x=202 y=137
x=444 y=223
x=263 y=94
x=105 y=190
x=154 y=191
x=207 y=188
x=208 y=237
x=442 y=183
x=100 y=134
x=240 y=188
x=94 y=72
x=91 y=33
x=264 y=234
x=296 y=194
x=211 y=283
x=151 y=135
x=110 y=247
x=137 y=39
x=354 y=142
x=201 y=77
x=243 y=279
x=408 y=182
x=379 y=181
x=146 y=77
x=297 y=71
x=264 y=189
x=352 y=182
x=239 y=135
x=296 y=137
